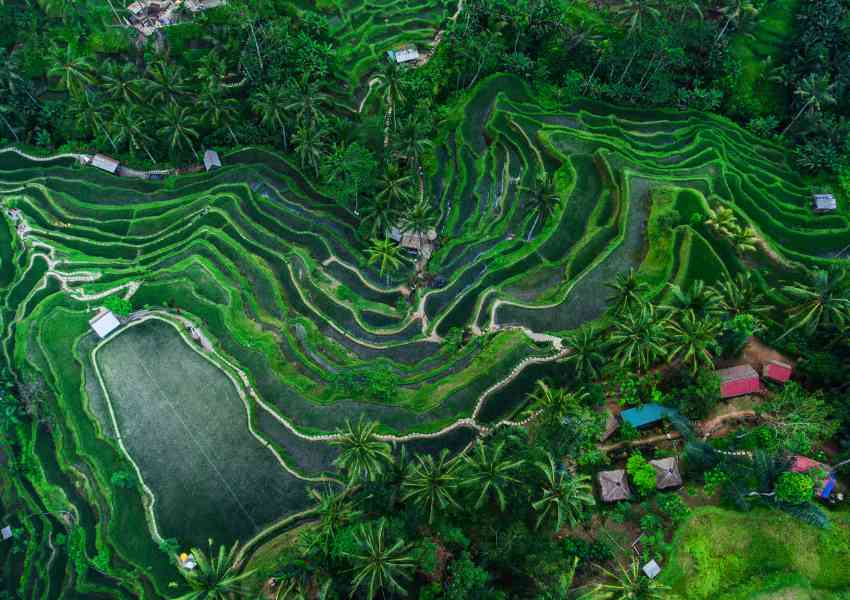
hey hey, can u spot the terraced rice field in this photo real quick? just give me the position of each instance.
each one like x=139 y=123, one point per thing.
x=268 y=274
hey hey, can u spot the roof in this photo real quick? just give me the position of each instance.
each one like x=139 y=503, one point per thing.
x=804 y=464
x=612 y=424
x=136 y=7
x=824 y=202
x=777 y=370
x=107 y=163
x=104 y=323
x=613 y=485
x=6 y=532
x=404 y=54
x=651 y=569
x=666 y=472
x=645 y=415
x=736 y=381
x=737 y=373
x=211 y=160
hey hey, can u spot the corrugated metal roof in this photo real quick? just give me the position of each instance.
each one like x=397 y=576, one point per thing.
x=107 y=163
x=736 y=373
x=211 y=160
x=645 y=415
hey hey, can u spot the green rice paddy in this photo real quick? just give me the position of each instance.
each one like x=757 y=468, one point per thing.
x=256 y=259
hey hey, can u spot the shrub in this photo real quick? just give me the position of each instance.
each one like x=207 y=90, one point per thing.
x=118 y=305
x=596 y=551
x=642 y=474
x=794 y=488
x=674 y=507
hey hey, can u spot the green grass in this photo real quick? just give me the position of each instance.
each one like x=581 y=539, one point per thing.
x=726 y=555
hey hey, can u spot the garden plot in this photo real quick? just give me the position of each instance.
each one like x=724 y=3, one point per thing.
x=183 y=423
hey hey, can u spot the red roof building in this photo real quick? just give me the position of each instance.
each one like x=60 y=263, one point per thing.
x=777 y=371
x=737 y=381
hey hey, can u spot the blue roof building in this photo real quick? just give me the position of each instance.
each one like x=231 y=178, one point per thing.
x=646 y=414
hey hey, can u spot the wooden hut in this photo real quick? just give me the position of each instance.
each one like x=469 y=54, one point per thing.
x=666 y=473
x=614 y=486
x=737 y=381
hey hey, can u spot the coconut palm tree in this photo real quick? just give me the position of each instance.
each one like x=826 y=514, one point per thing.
x=128 y=127
x=90 y=114
x=490 y=473
x=543 y=200
x=179 y=128
x=216 y=576
x=815 y=91
x=639 y=338
x=740 y=295
x=394 y=186
x=419 y=219
x=699 y=299
x=585 y=356
x=217 y=111
x=58 y=9
x=379 y=217
x=432 y=485
x=388 y=81
x=166 y=83
x=722 y=221
x=410 y=142
x=693 y=340
x=824 y=300
x=310 y=144
x=627 y=293
x=385 y=253
x=121 y=82
x=744 y=239
x=335 y=513
x=74 y=71
x=564 y=496
x=269 y=104
x=628 y=583
x=634 y=13
x=555 y=403
x=306 y=101
x=738 y=12
x=380 y=566
x=363 y=457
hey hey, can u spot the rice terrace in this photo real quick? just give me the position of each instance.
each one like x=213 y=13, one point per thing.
x=428 y=285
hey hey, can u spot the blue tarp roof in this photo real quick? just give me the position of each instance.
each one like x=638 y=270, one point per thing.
x=645 y=415
x=828 y=487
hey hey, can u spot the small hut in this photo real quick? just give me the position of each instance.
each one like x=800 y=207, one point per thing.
x=824 y=203
x=737 y=381
x=666 y=473
x=614 y=486
x=777 y=371
x=104 y=323
x=6 y=533
x=403 y=55
x=107 y=163
x=651 y=569
x=211 y=160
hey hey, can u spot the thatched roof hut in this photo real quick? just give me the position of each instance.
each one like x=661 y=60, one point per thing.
x=614 y=485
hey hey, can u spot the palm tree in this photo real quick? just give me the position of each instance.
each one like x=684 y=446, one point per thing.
x=722 y=220
x=166 y=83
x=129 y=128
x=744 y=239
x=58 y=9
x=217 y=111
x=741 y=295
x=90 y=114
x=544 y=200
x=627 y=293
x=335 y=513
x=120 y=82
x=633 y=14
x=74 y=72
x=629 y=584
x=179 y=128
x=379 y=216
x=638 y=338
x=386 y=253
x=419 y=220
x=432 y=484
x=816 y=91
x=410 y=142
x=824 y=300
x=216 y=577
x=310 y=144
x=379 y=565
x=563 y=496
x=394 y=186
x=585 y=355
x=363 y=456
x=737 y=11
x=555 y=403
x=489 y=472
x=307 y=101
x=269 y=104
x=388 y=79
x=700 y=300
x=693 y=340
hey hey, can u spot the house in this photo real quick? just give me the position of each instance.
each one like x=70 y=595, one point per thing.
x=737 y=381
x=824 y=203
x=644 y=415
x=666 y=473
x=613 y=485
x=107 y=163
x=826 y=484
x=211 y=160
x=403 y=55
x=414 y=242
x=104 y=323
x=6 y=533
x=777 y=371
x=651 y=569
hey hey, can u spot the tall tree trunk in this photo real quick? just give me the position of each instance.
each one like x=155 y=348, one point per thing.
x=628 y=66
x=14 y=133
x=797 y=116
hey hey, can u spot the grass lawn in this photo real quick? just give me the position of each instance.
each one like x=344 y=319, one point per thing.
x=728 y=555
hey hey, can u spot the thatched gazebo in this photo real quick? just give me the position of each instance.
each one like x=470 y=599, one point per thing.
x=666 y=472
x=614 y=486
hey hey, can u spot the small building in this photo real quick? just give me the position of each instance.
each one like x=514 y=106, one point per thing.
x=644 y=415
x=826 y=481
x=6 y=533
x=613 y=485
x=824 y=203
x=777 y=371
x=211 y=160
x=651 y=569
x=666 y=473
x=137 y=8
x=107 y=163
x=104 y=323
x=403 y=55
x=737 y=381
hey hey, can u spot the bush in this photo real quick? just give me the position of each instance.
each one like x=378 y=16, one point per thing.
x=642 y=474
x=794 y=488
x=674 y=507
x=596 y=551
x=118 y=305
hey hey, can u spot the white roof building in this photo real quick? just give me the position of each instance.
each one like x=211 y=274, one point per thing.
x=107 y=163
x=651 y=569
x=6 y=533
x=403 y=55
x=104 y=323
x=211 y=160
x=824 y=203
